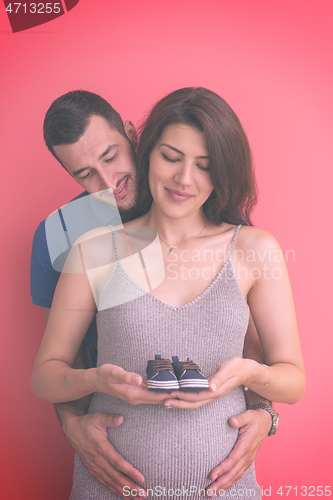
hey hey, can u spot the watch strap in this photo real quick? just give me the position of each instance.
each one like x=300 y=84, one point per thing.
x=272 y=412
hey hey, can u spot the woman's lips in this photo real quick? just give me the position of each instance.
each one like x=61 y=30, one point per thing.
x=178 y=195
x=122 y=190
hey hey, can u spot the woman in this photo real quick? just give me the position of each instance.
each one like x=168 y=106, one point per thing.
x=197 y=191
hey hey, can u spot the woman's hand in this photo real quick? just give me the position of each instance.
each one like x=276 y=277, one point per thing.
x=230 y=374
x=116 y=382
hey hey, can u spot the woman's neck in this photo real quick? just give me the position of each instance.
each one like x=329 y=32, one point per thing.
x=175 y=230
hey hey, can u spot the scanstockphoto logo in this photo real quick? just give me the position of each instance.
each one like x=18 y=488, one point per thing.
x=25 y=15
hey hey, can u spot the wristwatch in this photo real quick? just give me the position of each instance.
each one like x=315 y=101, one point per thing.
x=272 y=412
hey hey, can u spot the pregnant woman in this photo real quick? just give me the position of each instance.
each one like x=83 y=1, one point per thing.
x=197 y=190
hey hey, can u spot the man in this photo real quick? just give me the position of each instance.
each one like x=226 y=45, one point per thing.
x=87 y=136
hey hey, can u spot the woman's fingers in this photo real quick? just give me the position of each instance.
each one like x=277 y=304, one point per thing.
x=192 y=396
x=227 y=375
x=136 y=395
x=144 y=396
x=220 y=376
x=223 y=382
x=119 y=376
x=190 y=400
x=225 y=387
x=128 y=387
x=186 y=405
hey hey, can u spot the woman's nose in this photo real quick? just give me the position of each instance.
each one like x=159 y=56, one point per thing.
x=183 y=175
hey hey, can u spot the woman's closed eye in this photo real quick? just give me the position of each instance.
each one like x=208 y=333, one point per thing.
x=172 y=160
x=201 y=167
x=175 y=160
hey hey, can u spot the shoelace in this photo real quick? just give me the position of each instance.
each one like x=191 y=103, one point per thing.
x=189 y=365
x=161 y=364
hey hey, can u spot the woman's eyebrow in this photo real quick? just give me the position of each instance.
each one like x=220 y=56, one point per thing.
x=173 y=149
x=180 y=152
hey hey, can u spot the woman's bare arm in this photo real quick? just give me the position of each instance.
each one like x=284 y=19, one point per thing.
x=72 y=311
x=271 y=304
x=272 y=308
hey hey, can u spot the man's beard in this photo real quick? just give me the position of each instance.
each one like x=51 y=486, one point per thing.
x=131 y=211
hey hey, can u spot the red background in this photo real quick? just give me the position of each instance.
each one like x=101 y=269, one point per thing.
x=272 y=61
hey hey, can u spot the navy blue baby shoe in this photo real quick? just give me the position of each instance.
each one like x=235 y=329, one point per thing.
x=190 y=377
x=160 y=375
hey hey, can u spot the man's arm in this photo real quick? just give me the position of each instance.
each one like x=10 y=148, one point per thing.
x=87 y=434
x=253 y=425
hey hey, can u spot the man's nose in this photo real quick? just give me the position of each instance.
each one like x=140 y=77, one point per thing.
x=107 y=181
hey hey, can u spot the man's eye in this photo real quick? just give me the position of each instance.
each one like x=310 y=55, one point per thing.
x=87 y=175
x=172 y=160
x=114 y=157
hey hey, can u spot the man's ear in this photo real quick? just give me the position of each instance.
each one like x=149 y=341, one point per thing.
x=131 y=133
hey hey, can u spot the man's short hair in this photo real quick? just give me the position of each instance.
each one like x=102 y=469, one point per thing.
x=68 y=117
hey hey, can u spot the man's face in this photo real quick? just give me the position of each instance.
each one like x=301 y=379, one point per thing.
x=103 y=159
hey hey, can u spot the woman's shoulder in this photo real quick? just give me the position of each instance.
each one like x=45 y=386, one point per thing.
x=246 y=234
x=140 y=221
x=256 y=245
x=93 y=233
x=256 y=237
x=91 y=250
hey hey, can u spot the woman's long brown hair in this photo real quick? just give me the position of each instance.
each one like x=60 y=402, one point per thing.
x=230 y=158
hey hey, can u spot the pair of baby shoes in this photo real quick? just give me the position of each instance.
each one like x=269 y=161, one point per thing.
x=164 y=376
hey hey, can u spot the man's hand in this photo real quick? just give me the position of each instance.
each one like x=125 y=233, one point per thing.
x=87 y=434
x=253 y=425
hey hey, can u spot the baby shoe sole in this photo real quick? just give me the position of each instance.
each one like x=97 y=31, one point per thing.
x=163 y=386
x=193 y=385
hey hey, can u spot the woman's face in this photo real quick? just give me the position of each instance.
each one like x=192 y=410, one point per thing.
x=179 y=177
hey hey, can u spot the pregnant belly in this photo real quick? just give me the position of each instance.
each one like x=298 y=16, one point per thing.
x=173 y=448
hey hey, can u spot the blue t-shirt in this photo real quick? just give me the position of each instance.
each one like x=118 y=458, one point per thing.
x=44 y=275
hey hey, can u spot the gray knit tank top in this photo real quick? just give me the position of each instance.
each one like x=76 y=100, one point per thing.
x=175 y=449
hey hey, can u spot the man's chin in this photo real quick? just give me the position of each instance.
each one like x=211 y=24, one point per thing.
x=123 y=205
x=128 y=207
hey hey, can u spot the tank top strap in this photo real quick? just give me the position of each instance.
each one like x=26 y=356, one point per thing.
x=114 y=242
x=234 y=240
